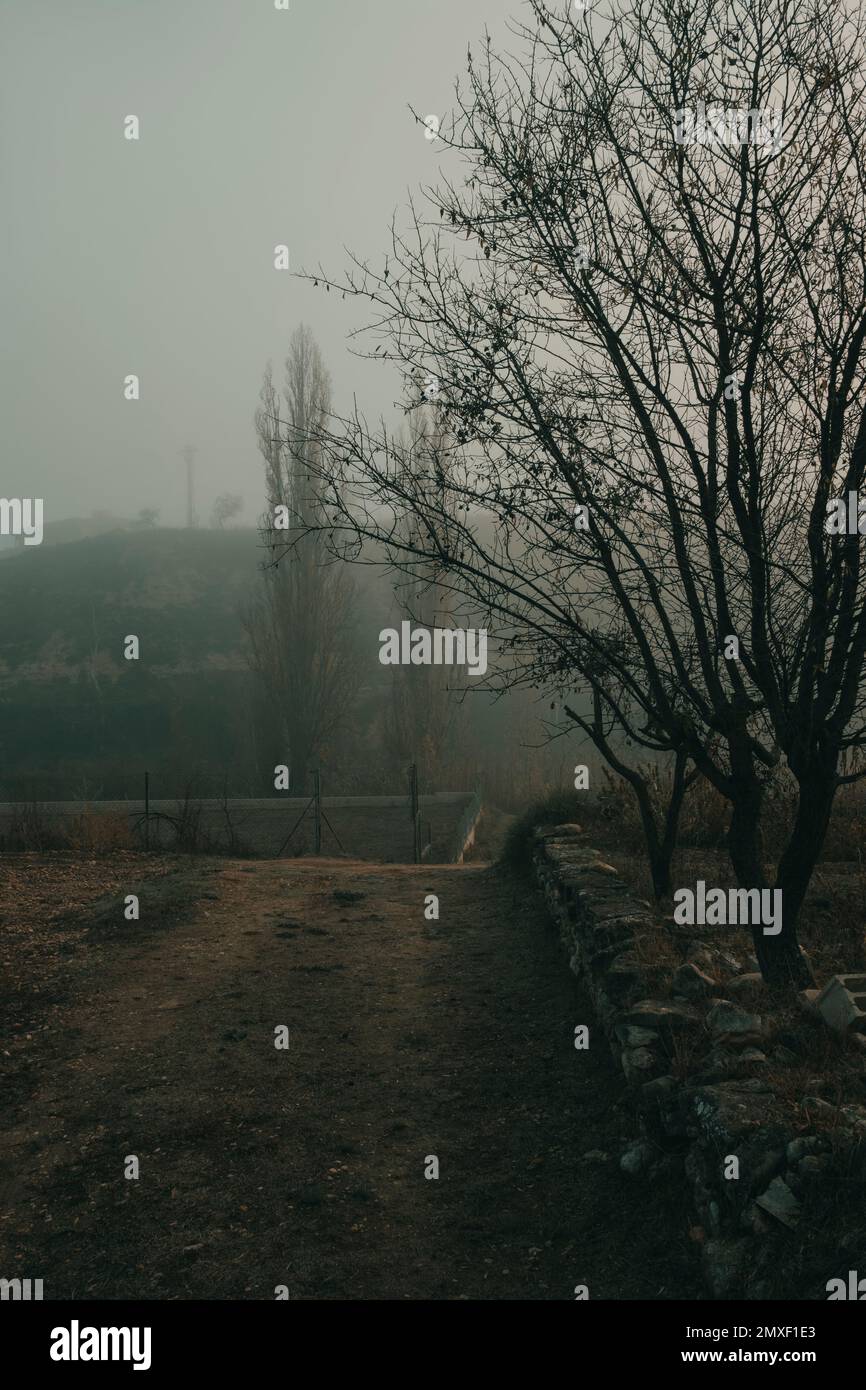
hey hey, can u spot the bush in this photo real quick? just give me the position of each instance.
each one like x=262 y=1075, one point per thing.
x=30 y=829
x=95 y=832
x=554 y=809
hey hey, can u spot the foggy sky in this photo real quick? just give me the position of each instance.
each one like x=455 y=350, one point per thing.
x=156 y=257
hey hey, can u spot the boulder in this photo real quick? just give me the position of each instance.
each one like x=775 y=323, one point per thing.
x=661 y=1016
x=748 y=983
x=636 y=1062
x=692 y=982
x=732 y=1025
x=636 y=1157
x=632 y=1036
x=803 y=1145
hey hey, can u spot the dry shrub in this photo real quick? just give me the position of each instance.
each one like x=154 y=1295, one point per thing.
x=685 y=1052
x=31 y=829
x=99 y=832
x=846 y=836
x=654 y=949
x=704 y=816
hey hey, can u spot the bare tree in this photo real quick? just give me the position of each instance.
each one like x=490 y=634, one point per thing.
x=226 y=506
x=646 y=310
x=424 y=720
x=301 y=644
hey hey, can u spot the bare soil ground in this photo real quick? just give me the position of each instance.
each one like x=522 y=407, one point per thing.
x=261 y=1167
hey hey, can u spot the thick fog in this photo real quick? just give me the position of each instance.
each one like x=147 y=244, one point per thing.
x=155 y=257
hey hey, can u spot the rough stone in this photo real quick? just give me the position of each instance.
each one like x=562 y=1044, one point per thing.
x=803 y=1145
x=698 y=954
x=819 y=1108
x=632 y=1036
x=636 y=1062
x=730 y=962
x=722 y=1064
x=728 y=1023
x=855 y=1115
x=661 y=1016
x=750 y=983
x=691 y=981
x=636 y=1157
x=783 y=1056
x=620 y=981
x=659 y=1086
x=813 y=1165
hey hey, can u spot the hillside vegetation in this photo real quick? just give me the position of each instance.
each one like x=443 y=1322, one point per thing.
x=76 y=716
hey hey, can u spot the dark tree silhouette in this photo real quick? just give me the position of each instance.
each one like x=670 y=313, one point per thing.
x=648 y=339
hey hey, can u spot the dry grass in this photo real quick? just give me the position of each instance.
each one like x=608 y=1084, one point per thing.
x=684 y=1054
x=832 y=922
x=307 y=1168
x=655 y=950
x=91 y=833
x=706 y=814
x=95 y=833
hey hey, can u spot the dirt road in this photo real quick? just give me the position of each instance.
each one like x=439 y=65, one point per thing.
x=258 y=1167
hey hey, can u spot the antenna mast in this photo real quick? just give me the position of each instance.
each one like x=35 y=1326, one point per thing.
x=189 y=454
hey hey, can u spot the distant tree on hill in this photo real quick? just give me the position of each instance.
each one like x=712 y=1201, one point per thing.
x=226 y=506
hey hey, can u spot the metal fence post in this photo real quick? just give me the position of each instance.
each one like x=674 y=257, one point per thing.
x=415 y=811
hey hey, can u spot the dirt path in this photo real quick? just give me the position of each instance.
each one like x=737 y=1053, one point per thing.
x=305 y=1168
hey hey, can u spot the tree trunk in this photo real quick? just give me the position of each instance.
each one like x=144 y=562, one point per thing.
x=660 y=849
x=782 y=963
x=817 y=789
x=672 y=820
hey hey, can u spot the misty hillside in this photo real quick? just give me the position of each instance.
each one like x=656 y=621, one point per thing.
x=78 y=715
x=67 y=608
x=84 y=720
x=78 y=719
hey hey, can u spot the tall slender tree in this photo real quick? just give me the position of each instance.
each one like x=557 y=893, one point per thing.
x=424 y=721
x=299 y=629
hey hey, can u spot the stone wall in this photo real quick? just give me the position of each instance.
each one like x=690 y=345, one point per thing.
x=710 y=1082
